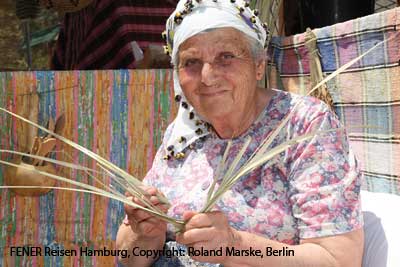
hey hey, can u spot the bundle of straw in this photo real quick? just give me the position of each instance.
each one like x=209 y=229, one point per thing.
x=133 y=185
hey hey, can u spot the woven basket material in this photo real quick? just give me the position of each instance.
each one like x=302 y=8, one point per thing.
x=65 y=6
x=316 y=74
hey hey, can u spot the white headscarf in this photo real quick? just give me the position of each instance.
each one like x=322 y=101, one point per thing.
x=190 y=18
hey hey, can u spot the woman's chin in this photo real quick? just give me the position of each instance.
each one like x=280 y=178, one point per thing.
x=216 y=106
x=215 y=98
x=216 y=111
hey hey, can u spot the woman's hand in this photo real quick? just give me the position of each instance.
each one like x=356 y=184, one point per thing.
x=207 y=231
x=141 y=229
x=145 y=224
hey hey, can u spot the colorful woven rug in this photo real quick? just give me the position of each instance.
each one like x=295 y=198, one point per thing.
x=120 y=115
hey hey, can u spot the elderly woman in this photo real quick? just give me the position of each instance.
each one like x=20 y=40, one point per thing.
x=302 y=209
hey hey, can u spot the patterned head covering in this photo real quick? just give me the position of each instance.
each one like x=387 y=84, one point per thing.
x=190 y=18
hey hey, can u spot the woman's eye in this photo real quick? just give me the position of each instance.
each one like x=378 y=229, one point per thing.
x=191 y=62
x=228 y=56
x=225 y=59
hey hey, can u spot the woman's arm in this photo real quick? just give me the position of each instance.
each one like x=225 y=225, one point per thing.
x=128 y=238
x=211 y=231
x=335 y=251
x=143 y=230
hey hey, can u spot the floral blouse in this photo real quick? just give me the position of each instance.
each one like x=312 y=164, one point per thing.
x=309 y=190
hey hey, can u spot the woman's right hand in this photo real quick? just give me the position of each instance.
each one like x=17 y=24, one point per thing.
x=143 y=223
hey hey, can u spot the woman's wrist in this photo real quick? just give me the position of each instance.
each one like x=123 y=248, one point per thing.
x=248 y=250
x=130 y=240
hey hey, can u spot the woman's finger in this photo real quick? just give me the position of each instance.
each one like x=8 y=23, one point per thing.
x=163 y=207
x=141 y=215
x=150 y=225
x=203 y=245
x=187 y=215
x=197 y=220
x=129 y=209
x=149 y=198
x=151 y=191
x=194 y=236
x=154 y=200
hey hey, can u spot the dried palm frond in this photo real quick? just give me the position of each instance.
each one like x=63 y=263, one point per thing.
x=269 y=12
x=260 y=156
x=316 y=74
x=108 y=191
x=134 y=185
x=129 y=183
x=257 y=160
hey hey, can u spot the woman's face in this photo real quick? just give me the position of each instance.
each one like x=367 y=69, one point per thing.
x=217 y=73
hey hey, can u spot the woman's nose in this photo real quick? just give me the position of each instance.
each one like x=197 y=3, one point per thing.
x=208 y=74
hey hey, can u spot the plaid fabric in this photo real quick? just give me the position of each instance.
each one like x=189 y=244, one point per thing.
x=100 y=35
x=368 y=93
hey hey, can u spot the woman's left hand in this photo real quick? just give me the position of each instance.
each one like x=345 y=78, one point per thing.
x=207 y=232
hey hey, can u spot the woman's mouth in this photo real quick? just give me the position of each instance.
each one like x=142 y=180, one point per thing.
x=213 y=93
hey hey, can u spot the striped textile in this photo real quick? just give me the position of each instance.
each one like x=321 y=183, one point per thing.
x=100 y=35
x=121 y=115
x=366 y=94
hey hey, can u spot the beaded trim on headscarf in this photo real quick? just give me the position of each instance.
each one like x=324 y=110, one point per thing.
x=190 y=18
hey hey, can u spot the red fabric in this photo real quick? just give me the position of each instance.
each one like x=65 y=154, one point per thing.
x=100 y=35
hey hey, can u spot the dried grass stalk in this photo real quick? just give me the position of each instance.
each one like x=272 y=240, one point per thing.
x=134 y=185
